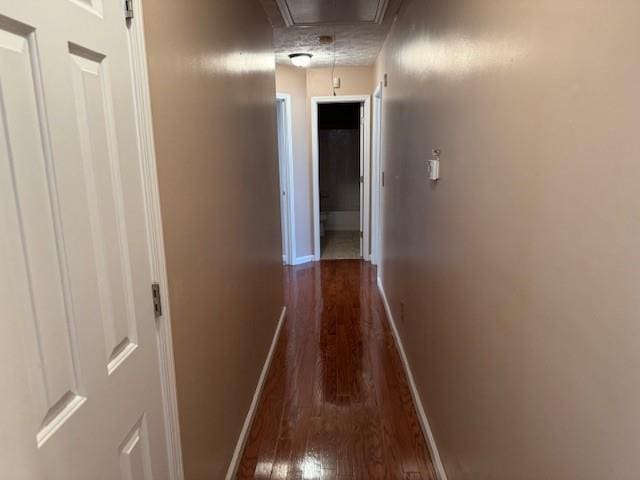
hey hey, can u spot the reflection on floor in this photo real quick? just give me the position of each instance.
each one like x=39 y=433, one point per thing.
x=336 y=403
x=340 y=245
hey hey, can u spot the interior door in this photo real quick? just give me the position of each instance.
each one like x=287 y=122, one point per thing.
x=81 y=395
x=362 y=196
x=376 y=177
x=282 y=161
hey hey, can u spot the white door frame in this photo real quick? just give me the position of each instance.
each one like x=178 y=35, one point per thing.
x=156 y=240
x=376 y=176
x=364 y=208
x=287 y=183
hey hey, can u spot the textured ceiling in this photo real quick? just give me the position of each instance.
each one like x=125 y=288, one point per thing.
x=358 y=42
x=354 y=45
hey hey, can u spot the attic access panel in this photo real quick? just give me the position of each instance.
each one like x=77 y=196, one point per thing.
x=323 y=12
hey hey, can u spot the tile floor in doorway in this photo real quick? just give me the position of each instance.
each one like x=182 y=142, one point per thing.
x=336 y=245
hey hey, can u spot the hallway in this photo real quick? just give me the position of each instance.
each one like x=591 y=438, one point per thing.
x=451 y=186
x=336 y=403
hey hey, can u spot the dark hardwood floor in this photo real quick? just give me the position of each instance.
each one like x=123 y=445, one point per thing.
x=336 y=403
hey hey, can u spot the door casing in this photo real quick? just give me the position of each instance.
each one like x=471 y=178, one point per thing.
x=285 y=160
x=376 y=178
x=365 y=101
x=142 y=98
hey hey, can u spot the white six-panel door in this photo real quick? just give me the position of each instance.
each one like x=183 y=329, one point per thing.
x=80 y=396
x=284 y=175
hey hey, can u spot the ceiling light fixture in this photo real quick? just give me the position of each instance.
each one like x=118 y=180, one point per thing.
x=301 y=59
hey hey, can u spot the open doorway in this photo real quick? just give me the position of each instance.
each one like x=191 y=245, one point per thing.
x=340 y=147
x=339 y=180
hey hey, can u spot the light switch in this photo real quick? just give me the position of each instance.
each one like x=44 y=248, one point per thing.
x=433 y=169
x=433 y=165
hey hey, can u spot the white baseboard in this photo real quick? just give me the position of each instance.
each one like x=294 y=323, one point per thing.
x=306 y=259
x=242 y=440
x=424 y=422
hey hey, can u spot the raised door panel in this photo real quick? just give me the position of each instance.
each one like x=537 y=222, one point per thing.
x=135 y=460
x=94 y=107
x=94 y=6
x=31 y=212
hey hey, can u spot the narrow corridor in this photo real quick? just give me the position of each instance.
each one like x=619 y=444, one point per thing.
x=336 y=403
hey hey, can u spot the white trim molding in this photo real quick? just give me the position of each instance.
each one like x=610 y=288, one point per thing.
x=305 y=259
x=289 y=183
x=246 y=427
x=424 y=421
x=376 y=176
x=366 y=101
x=156 y=242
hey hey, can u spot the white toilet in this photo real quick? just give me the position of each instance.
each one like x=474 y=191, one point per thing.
x=323 y=221
x=324 y=214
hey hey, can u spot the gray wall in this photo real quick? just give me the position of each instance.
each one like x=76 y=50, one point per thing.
x=212 y=84
x=520 y=269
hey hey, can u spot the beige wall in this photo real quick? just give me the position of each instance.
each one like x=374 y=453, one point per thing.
x=293 y=80
x=353 y=81
x=212 y=86
x=302 y=84
x=519 y=269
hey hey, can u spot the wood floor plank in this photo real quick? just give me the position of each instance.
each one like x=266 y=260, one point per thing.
x=297 y=460
x=336 y=403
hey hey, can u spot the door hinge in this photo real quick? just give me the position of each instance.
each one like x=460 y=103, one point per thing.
x=157 y=300
x=361 y=179
x=128 y=9
x=361 y=234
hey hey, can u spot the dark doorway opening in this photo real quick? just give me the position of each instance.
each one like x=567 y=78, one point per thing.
x=339 y=153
